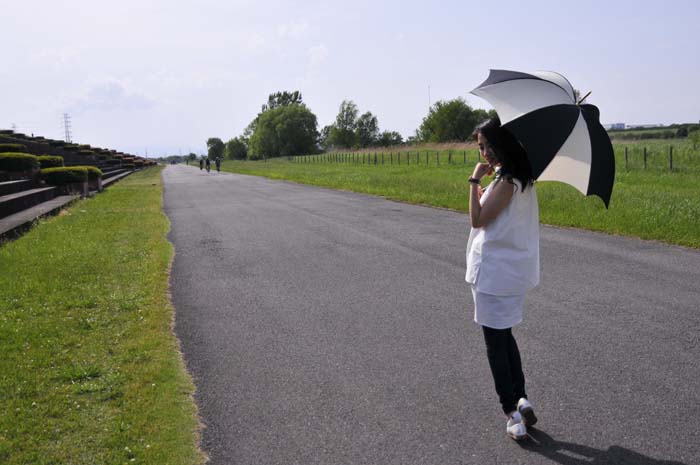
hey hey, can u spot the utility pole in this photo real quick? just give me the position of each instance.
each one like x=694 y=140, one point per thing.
x=66 y=127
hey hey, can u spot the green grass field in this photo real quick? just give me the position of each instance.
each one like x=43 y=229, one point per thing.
x=90 y=368
x=651 y=203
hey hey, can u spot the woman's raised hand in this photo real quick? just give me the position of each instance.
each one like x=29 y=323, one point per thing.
x=481 y=170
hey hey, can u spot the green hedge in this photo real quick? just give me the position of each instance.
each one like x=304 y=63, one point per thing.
x=12 y=161
x=16 y=148
x=93 y=172
x=50 y=161
x=64 y=175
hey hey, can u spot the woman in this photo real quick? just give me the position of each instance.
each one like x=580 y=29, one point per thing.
x=503 y=262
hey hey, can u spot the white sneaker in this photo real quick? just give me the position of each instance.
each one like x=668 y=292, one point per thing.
x=528 y=413
x=515 y=428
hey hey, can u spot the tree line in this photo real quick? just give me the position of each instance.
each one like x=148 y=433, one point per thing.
x=285 y=126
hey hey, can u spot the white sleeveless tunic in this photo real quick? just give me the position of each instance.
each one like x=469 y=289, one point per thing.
x=503 y=259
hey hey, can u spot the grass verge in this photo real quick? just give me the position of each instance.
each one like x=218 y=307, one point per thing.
x=650 y=204
x=90 y=369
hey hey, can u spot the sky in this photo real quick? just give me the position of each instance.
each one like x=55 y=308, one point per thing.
x=160 y=77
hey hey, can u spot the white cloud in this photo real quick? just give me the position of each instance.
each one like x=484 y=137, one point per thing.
x=293 y=29
x=110 y=94
x=318 y=54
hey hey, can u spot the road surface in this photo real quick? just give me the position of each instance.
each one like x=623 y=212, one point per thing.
x=329 y=327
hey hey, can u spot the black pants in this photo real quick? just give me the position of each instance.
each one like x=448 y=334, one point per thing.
x=504 y=359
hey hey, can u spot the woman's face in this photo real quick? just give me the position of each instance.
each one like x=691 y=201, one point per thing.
x=485 y=150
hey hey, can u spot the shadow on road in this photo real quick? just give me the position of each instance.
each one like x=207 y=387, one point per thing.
x=568 y=453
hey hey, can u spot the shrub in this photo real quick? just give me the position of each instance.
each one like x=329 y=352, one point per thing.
x=49 y=161
x=128 y=166
x=114 y=162
x=86 y=152
x=16 y=148
x=56 y=143
x=70 y=148
x=93 y=172
x=12 y=161
x=64 y=175
x=84 y=147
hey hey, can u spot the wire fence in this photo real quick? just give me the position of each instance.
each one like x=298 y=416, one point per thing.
x=398 y=158
x=628 y=157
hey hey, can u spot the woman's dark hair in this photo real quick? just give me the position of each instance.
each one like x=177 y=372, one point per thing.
x=507 y=150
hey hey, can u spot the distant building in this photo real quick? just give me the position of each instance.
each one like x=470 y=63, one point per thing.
x=645 y=126
x=614 y=126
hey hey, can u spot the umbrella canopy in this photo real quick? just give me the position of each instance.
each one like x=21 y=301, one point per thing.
x=563 y=138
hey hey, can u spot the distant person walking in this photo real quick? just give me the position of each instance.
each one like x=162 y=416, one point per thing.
x=207 y=162
x=503 y=259
x=201 y=164
x=218 y=165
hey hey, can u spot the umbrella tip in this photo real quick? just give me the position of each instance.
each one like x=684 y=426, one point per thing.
x=584 y=98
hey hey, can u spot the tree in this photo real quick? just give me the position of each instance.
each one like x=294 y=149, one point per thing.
x=236 y=149
x=323 y=137
x=215 y=148
x=280 y=99
x=366 y=130
x=387 y=139
x=342 y=133
x=191 y=157
x=276 y=100
x=284 y=131
x=448 y=121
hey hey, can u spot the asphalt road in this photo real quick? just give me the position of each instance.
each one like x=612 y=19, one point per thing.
x=328 y=327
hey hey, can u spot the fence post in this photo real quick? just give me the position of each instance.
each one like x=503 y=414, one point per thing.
x=408 y=158
x=427 y=161
x=417 y=157
x=625 y=158
x=645 y=158
x=670 y=158
x=399 y=156
x=438 y=158
x=391 y=158
x=382 y=158
x=449 y=157
x=375 y=158
x=465 y=157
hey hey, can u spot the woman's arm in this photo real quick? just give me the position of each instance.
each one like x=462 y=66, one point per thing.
x=498 y=200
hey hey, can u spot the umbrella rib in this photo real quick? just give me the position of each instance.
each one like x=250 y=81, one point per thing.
x=534 y=78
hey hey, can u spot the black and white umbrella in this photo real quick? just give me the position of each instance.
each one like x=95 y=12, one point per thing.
x=563 y=138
